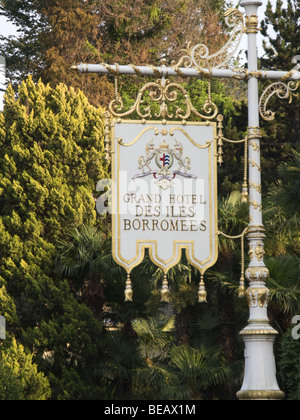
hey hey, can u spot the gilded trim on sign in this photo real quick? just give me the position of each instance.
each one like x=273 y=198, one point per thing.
x=120 y=141
x=208 y=143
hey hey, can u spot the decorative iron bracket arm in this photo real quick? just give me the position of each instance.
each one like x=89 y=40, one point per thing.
x=282 y=90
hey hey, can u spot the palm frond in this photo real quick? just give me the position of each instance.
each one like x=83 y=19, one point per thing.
x=199 y=368
x=84 y=252
x=153 y=333
x=284 y=281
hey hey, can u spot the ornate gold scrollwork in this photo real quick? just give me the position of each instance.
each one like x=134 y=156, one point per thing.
x=163 y=92
x=258 y=296
x=252 y=24
x=255 y=146
x=198 y=57
x=251 y=252
x=254 y=164
x=257 y=274
x=259 y=251
x=282 y=90
x=256 y=186
x=256 y=205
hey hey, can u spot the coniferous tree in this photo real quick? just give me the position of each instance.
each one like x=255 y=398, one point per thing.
x=52 y=157
x=281 y=152
x=19 y=377
x=280 y=50
x=281 y=53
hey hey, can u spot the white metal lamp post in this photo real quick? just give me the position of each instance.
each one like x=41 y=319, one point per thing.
x=260 y=369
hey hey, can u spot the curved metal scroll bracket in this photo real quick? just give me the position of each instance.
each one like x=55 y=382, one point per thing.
x=199 y=57
x=282 y=91
x=163 y=93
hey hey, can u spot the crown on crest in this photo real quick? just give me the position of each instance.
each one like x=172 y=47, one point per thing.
x=164 y=145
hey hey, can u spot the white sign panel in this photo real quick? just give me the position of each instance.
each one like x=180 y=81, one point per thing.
x=164 y=193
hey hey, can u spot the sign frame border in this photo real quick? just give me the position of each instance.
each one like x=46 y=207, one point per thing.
x=178 y=246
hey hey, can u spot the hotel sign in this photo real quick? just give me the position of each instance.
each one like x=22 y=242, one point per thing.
x=164 y=193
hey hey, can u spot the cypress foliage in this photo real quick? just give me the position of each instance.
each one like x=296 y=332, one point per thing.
x=52 y=157
x=20 y=379
x=281 y=53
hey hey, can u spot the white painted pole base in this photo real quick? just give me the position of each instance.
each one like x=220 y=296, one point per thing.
x=260 y=381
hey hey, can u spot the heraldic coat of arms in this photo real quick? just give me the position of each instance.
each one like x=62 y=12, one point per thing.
x=165 y=158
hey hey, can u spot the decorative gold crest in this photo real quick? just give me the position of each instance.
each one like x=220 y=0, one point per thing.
x=165 y=157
